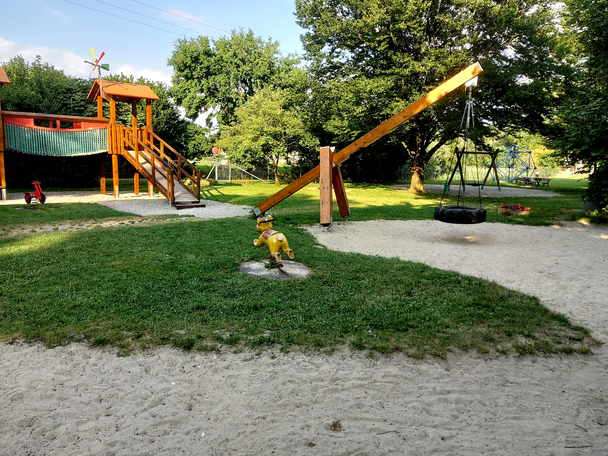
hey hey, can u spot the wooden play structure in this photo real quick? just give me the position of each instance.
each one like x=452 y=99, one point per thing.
x=328 y=171
x=164 y=168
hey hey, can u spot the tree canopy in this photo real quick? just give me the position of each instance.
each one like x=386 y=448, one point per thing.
x=214 y=77
x=266 y=130
x=373 y=58
x=581 y=122
x=40 y=87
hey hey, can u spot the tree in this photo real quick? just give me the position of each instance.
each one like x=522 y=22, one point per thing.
x=374 y=58
x=266 y=130
x=39 y=87
x=582 y=120
x=215 y=77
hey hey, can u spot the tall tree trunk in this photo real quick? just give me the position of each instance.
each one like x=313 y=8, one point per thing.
x=420 y=158
x=275 y=170
x=417 y=170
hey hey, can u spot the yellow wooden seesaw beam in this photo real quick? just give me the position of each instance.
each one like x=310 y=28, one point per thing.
x=385 y=127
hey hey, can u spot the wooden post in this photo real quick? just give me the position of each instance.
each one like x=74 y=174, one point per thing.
x=385 y=127
x=326 y=165
x=136 y=183
x=113 y=144
x=493 y=167
x=150 y=189
x=149 y=120
x=3 y=195
x=99 y=106
x=102 y=180
x=149 y=113
x=134 y=129
x=115 y=183
x=340 y=192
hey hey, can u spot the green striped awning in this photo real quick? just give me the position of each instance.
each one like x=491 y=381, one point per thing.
x=58 y=142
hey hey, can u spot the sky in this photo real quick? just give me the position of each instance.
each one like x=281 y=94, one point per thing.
x=138 y=37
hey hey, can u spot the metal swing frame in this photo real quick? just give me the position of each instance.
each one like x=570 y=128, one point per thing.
x=465 y=215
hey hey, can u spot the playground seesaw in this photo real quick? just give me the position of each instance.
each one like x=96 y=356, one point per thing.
x=328 y=170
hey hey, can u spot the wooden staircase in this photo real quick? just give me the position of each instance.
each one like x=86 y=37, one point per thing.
x=168 y=171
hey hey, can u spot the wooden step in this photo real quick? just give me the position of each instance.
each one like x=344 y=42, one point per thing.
x=181 y=193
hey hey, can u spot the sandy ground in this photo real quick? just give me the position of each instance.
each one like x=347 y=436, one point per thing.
x=74 y=400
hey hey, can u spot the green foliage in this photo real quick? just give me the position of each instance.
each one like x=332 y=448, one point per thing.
x=372 y=59
x=39 y=87
x=581 y=132
x=266 y=130
x=215 y=77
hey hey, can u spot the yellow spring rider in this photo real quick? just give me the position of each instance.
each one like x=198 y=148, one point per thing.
x=275 y=240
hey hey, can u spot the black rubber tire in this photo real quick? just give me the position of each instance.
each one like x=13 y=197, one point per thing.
x=461 y=215
x=28 y=198
x=42 y=198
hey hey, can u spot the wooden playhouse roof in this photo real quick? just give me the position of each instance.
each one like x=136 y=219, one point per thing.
x=3 y=77
x=121 y=91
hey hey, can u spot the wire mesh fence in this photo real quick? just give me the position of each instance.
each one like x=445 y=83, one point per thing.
x=223 y=169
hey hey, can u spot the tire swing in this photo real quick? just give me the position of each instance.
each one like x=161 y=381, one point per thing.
x=459 y=213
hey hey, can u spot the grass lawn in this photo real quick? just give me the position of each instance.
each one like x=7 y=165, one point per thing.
x=375 y=201
x=177 y=282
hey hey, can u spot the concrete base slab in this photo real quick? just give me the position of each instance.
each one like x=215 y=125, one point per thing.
x=290 y=270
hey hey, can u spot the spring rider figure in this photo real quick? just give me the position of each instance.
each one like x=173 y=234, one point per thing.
x=275 y=241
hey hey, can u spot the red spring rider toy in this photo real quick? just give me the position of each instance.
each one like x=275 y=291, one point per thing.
x=37 y=193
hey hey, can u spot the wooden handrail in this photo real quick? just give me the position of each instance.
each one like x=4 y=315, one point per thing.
x=51 y=117
x=194 y=175
x=126 y=136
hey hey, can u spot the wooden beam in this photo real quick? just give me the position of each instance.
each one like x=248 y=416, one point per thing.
x=51 y=117
x=115 y=179
x=325 y=185
x=99 y=107
x=3 y=195
x=102 y=179
x=340 y=192
x=386 y=127
x=134 y=129
x=149 y=113
x=113 y=142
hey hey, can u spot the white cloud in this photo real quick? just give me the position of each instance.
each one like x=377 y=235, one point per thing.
x=71 y=63
x=60 y=14
x=148 y=73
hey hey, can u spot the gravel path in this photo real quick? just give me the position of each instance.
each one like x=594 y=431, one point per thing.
x=138 y=204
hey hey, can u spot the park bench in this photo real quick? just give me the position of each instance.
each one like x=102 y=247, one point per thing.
x=536 y=181
x=524 y=180
x=543 y=181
